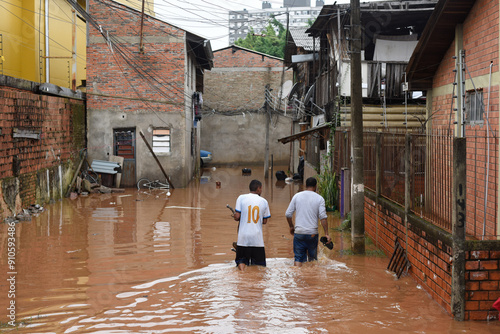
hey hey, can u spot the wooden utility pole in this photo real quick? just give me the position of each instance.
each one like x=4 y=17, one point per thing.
x=268 y=120
x=358 y=191
x=141 y=44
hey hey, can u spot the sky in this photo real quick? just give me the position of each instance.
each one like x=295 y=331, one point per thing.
x=209 y=18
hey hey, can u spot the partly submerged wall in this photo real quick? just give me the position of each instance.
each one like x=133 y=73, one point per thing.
x=40 y=140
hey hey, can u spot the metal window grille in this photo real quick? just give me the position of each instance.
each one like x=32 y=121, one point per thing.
x=474 y=106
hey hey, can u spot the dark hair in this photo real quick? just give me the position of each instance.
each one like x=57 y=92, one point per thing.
x=254 y=184
x=311 y=182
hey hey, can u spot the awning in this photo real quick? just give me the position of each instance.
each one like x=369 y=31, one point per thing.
x=305 y=133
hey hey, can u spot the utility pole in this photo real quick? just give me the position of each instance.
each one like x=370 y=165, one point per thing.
x=268 y=119
x=141 y=44
x=358 y=191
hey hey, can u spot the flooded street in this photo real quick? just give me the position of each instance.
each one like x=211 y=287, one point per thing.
x=142 y=262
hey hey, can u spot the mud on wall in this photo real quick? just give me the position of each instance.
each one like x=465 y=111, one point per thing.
x=40 y=139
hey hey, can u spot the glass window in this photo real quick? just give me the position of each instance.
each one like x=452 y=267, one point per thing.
x=161 y=140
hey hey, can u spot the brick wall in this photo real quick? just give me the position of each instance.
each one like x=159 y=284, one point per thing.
x=429 y=250
x=429 y=255
x=24 y=162
x=483 y=284
x=481 y=45
x=157 y=74
x=480 y=42
x=138 y=91
x=235 y=56
x=237 y=81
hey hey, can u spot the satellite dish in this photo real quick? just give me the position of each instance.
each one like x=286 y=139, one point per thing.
x=293 y=91
x=286 y=88
x=310 y=95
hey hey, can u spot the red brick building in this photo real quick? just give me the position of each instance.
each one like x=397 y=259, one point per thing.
x=144 y=76
x=456 y=64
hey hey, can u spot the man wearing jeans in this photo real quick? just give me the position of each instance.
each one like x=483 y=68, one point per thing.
x=309 y=207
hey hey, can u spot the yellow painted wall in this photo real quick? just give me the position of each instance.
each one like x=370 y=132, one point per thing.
x=22 y=26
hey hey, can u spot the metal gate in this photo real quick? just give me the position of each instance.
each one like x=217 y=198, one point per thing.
x=124 y=146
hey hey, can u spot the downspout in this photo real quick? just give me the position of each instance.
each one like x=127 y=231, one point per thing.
x=487 y=154
x=47 y=60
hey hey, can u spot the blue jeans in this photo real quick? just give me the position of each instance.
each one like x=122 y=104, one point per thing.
x=305 y=247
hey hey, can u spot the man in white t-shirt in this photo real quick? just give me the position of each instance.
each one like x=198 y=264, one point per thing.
x=309 y=207
x=251 y=211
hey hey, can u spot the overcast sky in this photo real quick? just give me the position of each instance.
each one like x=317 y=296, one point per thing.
x=209 y=18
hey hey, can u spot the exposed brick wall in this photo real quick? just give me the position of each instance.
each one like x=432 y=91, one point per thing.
x=429 y=256
x=481 y=45
x=160 y=75
x=429 y=250
x=61 y=125
x=237 y=57
x=483 y=284
x=137 y=91
x=237 y=81
x=480 y=42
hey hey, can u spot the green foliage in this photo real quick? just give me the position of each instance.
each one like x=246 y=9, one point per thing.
x=328 y=187
x=346 y=224
x=267 y=42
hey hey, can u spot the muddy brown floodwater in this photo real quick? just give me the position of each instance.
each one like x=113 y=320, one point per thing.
x=139 y=262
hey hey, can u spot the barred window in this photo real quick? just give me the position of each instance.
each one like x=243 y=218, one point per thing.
x=474 y=106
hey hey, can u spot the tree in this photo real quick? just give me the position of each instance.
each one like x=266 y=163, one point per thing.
x=267 y=42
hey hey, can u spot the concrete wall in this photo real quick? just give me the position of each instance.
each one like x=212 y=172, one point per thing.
x=241 y=139
x=233 y=127
x=103 y=122
x=36 y=170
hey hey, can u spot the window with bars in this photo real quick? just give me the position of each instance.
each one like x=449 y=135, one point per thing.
x=161 y=141
x=474 y=106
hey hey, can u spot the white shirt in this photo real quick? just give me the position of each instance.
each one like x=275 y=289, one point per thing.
x=253 y=210
x=309 y=207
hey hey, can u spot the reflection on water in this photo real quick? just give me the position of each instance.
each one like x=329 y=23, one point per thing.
x=143 y=262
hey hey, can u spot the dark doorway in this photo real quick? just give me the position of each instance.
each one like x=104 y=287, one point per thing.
x=124 y=144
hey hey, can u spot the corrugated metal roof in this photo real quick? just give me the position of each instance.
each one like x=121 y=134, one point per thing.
x=303 y=40
x=106 y=167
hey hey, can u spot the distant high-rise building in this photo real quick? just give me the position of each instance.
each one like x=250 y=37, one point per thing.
x=241 y=21
x=296 y=3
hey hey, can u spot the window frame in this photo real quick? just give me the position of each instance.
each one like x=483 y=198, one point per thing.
x=474 y=113
x=159 y=139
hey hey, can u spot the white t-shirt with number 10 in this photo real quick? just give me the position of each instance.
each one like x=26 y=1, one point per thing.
x=253 y=210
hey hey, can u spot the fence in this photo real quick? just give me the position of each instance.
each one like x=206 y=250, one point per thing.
x=430 y=181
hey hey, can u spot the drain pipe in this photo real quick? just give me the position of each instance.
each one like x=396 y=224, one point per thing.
x=47 y=60
x=487 y=154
